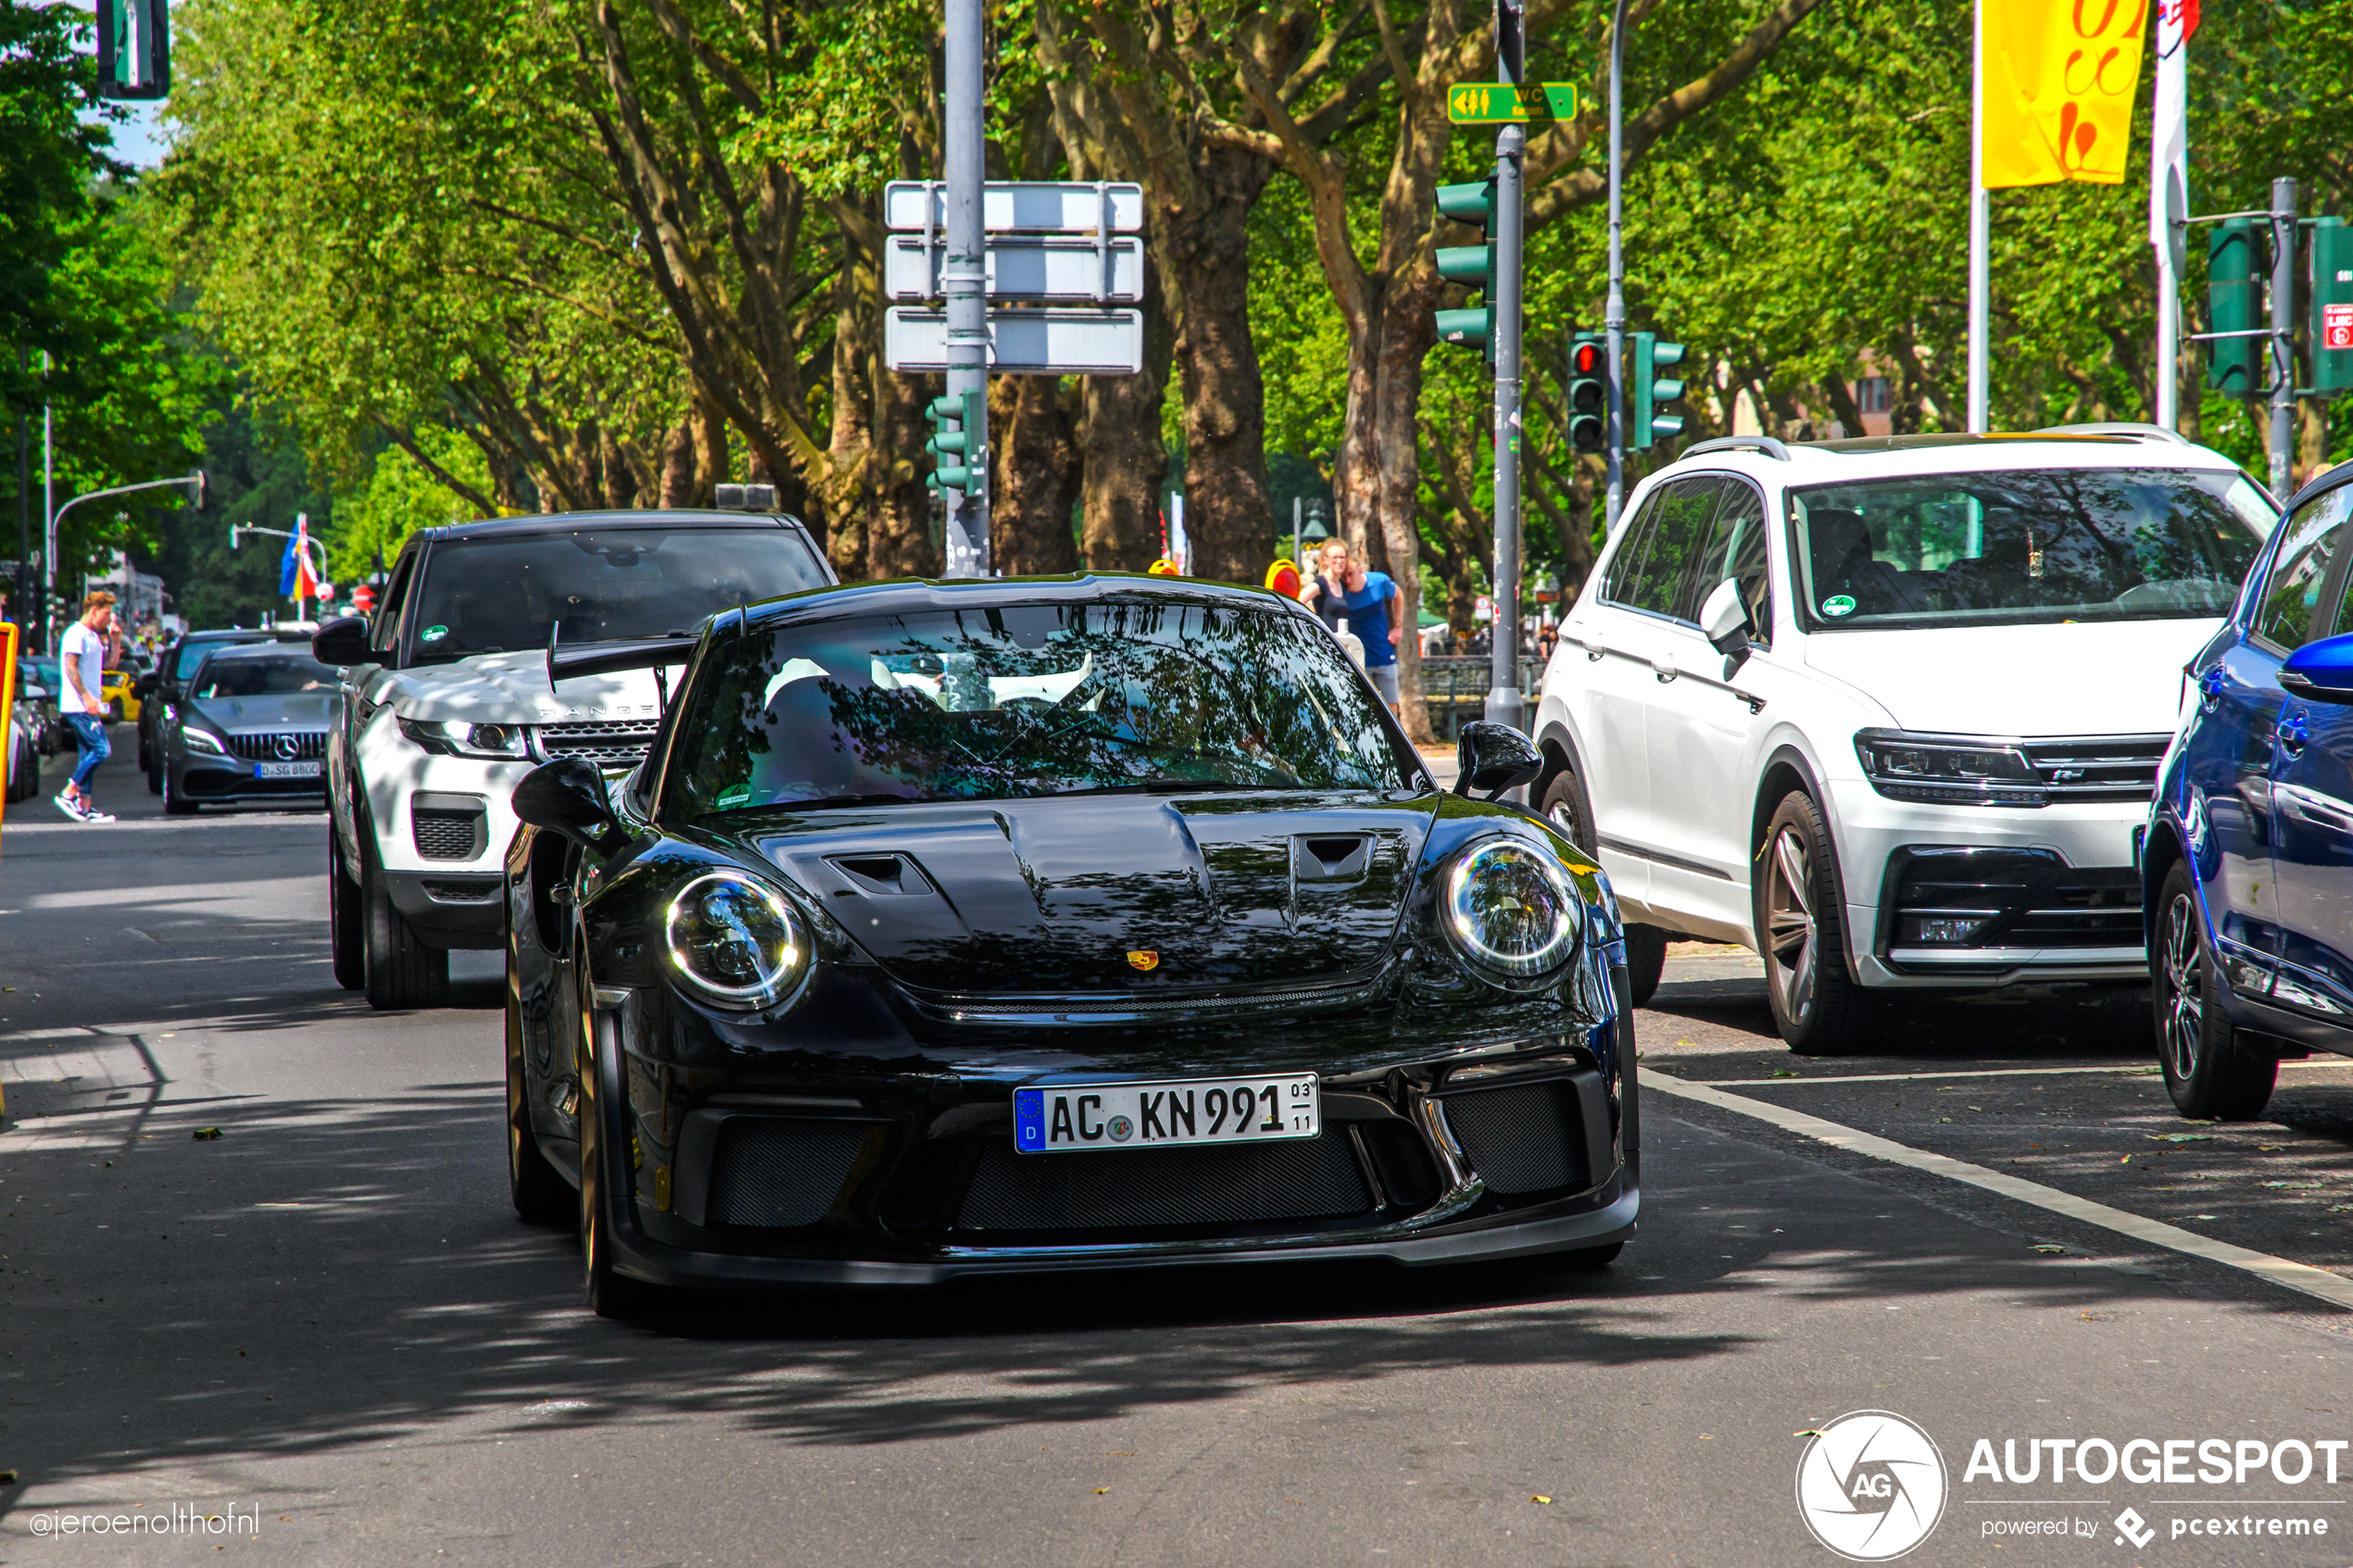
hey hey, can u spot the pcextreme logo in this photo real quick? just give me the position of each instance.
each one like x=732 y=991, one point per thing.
x=1871 y=1485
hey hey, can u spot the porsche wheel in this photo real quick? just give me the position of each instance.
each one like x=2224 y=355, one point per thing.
x=2210 y=1071
x=539 y=1195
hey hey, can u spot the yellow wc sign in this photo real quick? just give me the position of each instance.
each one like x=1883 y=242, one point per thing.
x=2060 y=80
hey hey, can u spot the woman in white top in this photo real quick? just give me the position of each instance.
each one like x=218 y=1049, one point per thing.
x=81 y=667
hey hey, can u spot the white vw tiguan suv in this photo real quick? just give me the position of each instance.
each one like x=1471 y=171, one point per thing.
x=447 y=702
x=1890 y=710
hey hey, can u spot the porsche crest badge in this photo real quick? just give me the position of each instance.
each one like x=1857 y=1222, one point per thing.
x=1144 y=960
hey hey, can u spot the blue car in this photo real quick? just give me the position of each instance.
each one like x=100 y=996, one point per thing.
x=2247 y=868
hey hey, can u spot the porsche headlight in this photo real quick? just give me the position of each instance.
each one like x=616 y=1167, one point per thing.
x=735 y=940
x=455 y=737
x=1509 y=908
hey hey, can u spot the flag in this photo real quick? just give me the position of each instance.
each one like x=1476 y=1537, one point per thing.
x=295 y=578
x=2060 y=80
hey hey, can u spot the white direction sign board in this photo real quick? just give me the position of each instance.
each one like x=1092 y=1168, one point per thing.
x=1040 y=266
x=1064 y=207
x=1052 y=342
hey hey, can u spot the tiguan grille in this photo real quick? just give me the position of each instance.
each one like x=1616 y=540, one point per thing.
x=2097 y=768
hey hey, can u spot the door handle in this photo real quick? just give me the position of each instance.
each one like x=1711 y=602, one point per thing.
x=2291 y=734
x=1665 y=669
x=2209 y=690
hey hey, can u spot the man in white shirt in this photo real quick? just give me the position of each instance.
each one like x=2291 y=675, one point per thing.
x=81 y=667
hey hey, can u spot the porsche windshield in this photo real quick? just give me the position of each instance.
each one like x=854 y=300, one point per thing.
x=1018 y=701
x=2036 y=545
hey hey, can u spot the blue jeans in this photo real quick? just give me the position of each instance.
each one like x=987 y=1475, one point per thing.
x=90 y=734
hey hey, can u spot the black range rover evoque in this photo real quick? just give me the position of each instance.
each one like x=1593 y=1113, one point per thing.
x=987 y=926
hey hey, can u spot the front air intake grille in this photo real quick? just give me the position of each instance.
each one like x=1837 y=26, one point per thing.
x=447 y=836
x=609 y=743
x=1313 y=1178
x=1945 y=899
x=286 y=745
x=1521 y=1140
x=775 y=1173
x=1120 y=1004
x=2098 y=768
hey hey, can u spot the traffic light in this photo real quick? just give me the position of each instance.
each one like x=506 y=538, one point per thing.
x=2331 y=306
x=1650 y=389
x=135 y=48
x=1471 y=265
x=964 y=410
x=2234 y=304
x=1588 y=394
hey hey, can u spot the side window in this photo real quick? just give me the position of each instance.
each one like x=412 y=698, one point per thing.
x=386 y=631
x=2292 y=612
x=1735 y=548
x=1673 y=546
x=1625 y=567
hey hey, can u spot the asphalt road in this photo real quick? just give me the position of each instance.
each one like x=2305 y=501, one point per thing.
x=327 y=1323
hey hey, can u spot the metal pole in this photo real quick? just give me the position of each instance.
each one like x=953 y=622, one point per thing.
x=48 y=515
x=1614 y=309
x=2168 y=201
x=2283 y=336
x=964 y=280
x=1504 y=703
x=1980 y=238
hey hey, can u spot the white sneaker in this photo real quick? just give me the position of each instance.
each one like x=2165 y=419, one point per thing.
x=73 y=808
x=92 y=814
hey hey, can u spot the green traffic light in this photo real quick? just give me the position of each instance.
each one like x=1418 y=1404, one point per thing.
x=1472 y=266
x=1650 y=389
x=2233 y=299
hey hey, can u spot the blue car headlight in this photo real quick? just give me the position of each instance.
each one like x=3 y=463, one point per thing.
x=735 y=941
x=1509 y=908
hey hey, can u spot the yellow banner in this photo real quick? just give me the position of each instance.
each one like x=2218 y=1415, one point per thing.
x=2060 y=80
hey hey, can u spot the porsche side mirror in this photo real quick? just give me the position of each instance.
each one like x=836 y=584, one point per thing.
x=1495 y=757
x=568 y=798
x=343 y=642
x=2322 y=672
x=1723 y=620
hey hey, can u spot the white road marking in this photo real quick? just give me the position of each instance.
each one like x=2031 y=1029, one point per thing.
x=2336 y=1289
x=2136 y=1071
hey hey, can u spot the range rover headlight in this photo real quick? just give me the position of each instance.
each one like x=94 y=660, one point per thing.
x=455 y=737
x=735 y=941
x=1509 y=908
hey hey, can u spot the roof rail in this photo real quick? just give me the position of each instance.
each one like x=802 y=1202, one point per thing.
x=2120 y=427
x=1763 y=443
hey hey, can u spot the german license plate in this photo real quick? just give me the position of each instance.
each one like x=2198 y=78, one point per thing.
x=288 y=769
x=1079 y=1118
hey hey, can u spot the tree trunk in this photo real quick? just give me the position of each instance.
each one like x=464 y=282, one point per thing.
x=898 y=526
x=849 y=444
x=678 y=462
x=1204 y=253
x=1035 y=473
x=1125 y=456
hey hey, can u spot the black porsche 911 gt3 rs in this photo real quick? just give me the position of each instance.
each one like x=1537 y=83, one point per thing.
x=1003 y=925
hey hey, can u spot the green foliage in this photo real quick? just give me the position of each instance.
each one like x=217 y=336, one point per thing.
x=400 y=497
x=259 y=475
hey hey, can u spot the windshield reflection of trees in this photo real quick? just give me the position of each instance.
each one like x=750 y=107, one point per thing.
x=1172 y=696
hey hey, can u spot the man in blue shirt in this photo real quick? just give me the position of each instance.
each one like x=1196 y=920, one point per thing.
x=1374 y=609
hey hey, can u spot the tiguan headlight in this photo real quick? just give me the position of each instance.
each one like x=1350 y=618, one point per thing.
x=735 y=941
x=1509 y=908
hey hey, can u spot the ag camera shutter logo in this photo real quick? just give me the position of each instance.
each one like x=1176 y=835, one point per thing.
x=1871 y=1485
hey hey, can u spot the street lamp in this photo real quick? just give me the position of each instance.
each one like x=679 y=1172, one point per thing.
x=196 y=487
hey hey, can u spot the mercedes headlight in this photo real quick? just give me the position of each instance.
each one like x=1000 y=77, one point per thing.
x=203 y=740
x=1510 y=909
x=455 y=737
x=735 y=941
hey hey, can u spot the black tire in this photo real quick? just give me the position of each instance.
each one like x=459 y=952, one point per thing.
x=346 y=917
x=2213 y=1071
x=1565 y=805
x=155 y=777
x=1798 y=906
x=174 y=803
x=1645 y=960
x=540 y=1195
x=611 y=1293
x=402 y=971
x=1586 y=1260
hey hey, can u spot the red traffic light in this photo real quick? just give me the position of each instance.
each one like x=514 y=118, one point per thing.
x=1586 y=359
